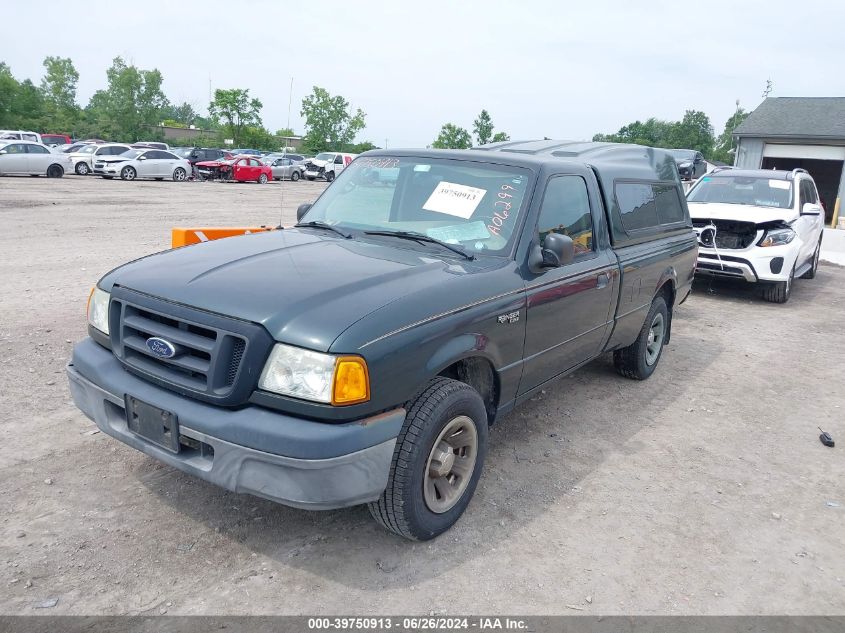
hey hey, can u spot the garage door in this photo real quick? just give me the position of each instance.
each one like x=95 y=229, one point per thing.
x=814 y=152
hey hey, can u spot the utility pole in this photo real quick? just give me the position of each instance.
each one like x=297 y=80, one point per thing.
x=290 y=99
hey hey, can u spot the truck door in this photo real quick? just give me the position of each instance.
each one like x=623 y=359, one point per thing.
x=567 y=314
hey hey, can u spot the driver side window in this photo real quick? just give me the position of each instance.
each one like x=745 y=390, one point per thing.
x=566 y=210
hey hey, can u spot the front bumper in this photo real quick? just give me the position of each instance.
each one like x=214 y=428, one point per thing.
x=752 y=264
x=314 y=174
x=289 y=460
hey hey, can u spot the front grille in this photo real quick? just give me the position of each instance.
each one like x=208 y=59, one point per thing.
x=209 y=351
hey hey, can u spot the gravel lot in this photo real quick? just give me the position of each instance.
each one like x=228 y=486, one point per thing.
x=704 y=490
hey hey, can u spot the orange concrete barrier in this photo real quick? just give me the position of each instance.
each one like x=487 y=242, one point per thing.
x=194 y=235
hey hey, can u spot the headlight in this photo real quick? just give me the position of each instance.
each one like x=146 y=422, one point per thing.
x=777 y=237
x=98 y=310
x=301 y=373
x=685 y=165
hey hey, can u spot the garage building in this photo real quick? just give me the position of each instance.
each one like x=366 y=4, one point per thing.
x=792 y=132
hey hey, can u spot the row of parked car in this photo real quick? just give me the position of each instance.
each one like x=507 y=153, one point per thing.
x=54 y=155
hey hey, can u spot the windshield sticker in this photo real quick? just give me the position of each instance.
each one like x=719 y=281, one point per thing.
x=454 y=199
x=379 y=163
x=460 y=232
x=779 y=184
x=501 y=209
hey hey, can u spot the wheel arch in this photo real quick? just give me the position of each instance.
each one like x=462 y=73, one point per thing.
x=667 y=289
x=470 y=366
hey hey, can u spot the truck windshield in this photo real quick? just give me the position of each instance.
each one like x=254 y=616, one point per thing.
x=755 y=191
x=472 y=204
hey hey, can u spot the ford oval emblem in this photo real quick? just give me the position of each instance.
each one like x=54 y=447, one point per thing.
x=160 y=347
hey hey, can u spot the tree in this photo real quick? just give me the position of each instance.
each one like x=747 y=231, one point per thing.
x=483 y=128
x=235 y=110
x=329 y=124
x=499 y=137
x=724 y=144
x=452 y=137
x=59 y=84
x=694 y=131
x=130 y=105
x=9 y=87
x=360 y=148
x=184 y=115
x=285 y=132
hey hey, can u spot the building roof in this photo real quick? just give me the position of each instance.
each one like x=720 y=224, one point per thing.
x=796 y=117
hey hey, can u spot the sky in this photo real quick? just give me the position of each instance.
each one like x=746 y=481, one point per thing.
x=565 y=70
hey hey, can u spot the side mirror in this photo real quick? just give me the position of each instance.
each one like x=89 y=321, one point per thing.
x=301 y=210
x=811 y=209
x=557 y=250
x=142 y=158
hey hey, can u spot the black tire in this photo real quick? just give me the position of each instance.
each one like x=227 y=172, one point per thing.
x=811 y=274
x=180 y=174
x=329 y=176
x=262 y=179
x=128 y=173
x=294 y=176
x=779 y=291
x=82 y=169
x=637 y=361
x=402 y=508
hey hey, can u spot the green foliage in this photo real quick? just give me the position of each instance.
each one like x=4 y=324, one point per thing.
x=499 y=137
x=694 y=131
x=360 y=148
x=130 y=104
x=329 y=124
x=452 y=137
x=180 y=116
x=483 y=128
x=258 y=137
x=725 y=142
x=58 y=88
x=285 y=131
x=235 y=110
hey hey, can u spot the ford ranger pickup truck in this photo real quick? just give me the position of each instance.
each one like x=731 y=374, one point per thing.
x=360 y=356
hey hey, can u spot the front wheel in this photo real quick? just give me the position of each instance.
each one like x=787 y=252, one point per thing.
x=262 y=179
x=294 y=176
x=128 y=173
x=179 y=174
x=639 y=360
x=329 y=176
x=811 y=274
x=437 y=461
x=779 y=291
x=82 y=169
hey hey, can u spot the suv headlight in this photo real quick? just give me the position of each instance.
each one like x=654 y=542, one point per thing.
x=98 y=310
x=301 y=373
x=777 y=237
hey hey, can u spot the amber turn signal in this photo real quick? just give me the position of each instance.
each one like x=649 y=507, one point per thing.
x=351 y=381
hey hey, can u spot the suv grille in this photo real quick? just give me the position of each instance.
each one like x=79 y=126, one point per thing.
x=211 y=352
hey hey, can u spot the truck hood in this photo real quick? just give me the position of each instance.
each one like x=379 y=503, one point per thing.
x=740 y=212
x=317 y=163
x=304 y=288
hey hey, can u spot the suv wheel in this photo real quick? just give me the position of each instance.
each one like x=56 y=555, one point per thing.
x=639 y=360
x=779 y=291
x=811 y=274
x=437 y=461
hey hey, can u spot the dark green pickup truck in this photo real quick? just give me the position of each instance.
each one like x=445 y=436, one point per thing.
x=361 y=356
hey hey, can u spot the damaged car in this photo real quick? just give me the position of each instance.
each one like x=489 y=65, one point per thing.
x=763 y=226
x=238 y=168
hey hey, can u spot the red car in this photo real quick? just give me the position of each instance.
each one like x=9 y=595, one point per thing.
x=55 y=139
x=240 y=168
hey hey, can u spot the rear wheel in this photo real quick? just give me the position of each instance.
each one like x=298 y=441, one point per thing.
x=779 y=291
x=262 y=179
x=639 y=360
x=82 y=168
x=811 y=274
x=128 y=173
x=437 y=461
x=179 y=174
x=294 y=176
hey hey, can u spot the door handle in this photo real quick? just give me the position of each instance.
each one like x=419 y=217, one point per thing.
x=602 y=280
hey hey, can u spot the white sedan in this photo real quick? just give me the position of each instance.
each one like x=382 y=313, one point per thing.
x=34 y=159
x=143 y=163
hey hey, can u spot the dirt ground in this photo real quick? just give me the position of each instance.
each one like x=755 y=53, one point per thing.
x=704 y=490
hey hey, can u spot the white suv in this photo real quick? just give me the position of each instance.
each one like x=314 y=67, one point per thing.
x=759 y=225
